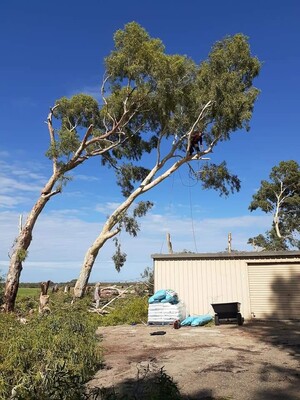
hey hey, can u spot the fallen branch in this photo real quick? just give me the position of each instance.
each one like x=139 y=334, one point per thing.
x=107 y=304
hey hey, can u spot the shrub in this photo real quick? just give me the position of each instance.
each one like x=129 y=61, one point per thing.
x=51 y=356
x=131 y=310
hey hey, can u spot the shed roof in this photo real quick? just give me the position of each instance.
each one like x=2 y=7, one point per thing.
x=225 y=255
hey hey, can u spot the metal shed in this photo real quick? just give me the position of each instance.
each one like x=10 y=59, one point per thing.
x=267 y=284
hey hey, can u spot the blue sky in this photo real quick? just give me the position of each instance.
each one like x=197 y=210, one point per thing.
x=54 y=49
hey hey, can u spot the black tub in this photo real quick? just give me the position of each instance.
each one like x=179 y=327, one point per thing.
x=228 y=312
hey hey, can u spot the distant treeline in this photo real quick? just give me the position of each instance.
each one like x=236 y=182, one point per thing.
x=72 y=283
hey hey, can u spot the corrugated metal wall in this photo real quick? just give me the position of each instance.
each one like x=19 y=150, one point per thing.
x=275 y=290
x=266 y=287
x=202 y=282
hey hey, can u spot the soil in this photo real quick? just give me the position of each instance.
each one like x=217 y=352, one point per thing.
x=256 y=361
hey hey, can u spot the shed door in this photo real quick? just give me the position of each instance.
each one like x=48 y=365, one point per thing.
x=274 y=290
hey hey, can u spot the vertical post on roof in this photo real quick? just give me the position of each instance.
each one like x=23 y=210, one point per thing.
x=229 y=242
x=169 y=244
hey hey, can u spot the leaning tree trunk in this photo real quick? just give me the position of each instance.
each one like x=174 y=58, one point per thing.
x=85 y=273
x=12 y=283
x=109 y=229
x=21 y=245
x=87 y=266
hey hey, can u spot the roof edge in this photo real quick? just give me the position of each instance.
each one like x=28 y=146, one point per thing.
x=242 y=254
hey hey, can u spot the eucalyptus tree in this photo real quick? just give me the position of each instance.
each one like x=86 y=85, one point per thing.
x=280 y=197
x=179 y=97
x=84 y=130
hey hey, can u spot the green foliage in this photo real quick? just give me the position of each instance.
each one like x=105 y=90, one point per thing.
x=148 y=279
x=130 y=310
x=49 y=357
x=130 y=223
x=131 y=226
x=30 y=292
x=269 y=241
x=142 y=208
x=280 y=196
x=26 y=303
x=127 y=175
x=119 y=257
x=80 y=111
x=168 y=92
x=218 y=177
x=226 y=79
x=22 y=254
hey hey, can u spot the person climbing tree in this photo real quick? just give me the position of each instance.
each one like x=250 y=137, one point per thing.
x=195 y=140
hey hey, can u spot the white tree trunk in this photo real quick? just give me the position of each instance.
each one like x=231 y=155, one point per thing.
x=280 y=200
x=87 y=265
x=21 y=245
x=85 y=273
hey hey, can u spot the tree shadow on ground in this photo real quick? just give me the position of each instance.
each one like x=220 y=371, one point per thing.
x=277 y=330
x=281 y=333
x=152 y=386
x=290 y=379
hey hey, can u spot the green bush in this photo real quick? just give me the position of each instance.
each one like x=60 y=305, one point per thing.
x=51 y=356
x=131 y=310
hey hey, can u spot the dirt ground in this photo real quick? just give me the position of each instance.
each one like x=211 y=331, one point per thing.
x=256 y=361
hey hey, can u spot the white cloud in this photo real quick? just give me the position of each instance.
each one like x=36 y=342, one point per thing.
x=106 y=208
x=60 y=242
x=92 y=90
x=87 y=178
x=61 y=237
x=11 y=185
x=19 y=182
x=11 y=201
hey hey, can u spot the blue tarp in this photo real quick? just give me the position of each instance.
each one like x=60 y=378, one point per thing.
x=199 y=320
x=164 y=296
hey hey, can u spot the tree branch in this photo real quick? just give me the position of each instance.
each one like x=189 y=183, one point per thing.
x=52 y=135
x=83 y=143
x=53 y=193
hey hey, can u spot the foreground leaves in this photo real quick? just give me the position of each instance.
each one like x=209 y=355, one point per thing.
x=49 y=357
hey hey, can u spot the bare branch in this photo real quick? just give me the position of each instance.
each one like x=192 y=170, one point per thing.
x=104 y=99
x=104 y=123
x=103 y=88
x=111 y=234
x=280 y=200
x=188 y=134
x=52 y=135
x=84 y=141
x=72 y=127
x=127 y=98
x=53 y=193
x=200 y=116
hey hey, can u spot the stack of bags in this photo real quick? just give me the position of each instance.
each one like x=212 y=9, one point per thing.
x=165 y=308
